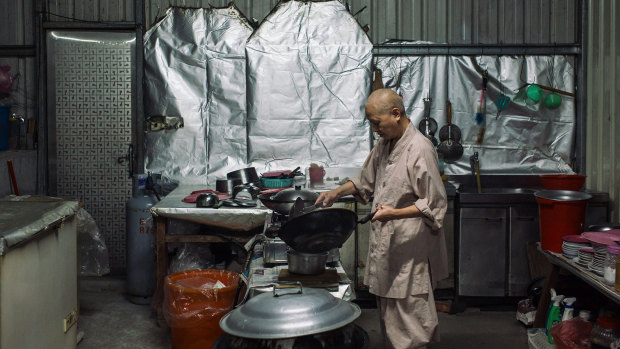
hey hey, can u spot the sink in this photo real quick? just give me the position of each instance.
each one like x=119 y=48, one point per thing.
x=496 y=195
x=474 y=190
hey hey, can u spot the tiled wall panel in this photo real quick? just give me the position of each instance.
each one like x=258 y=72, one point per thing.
x=91 y=88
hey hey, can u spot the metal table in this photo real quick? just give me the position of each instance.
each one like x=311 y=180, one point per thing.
x=558 y=261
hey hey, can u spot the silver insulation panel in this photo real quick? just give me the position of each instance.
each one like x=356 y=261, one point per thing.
x=195 y=68
x=309 y=74
x=526 y=137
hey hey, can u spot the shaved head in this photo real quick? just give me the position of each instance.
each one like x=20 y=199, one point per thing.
x=384 y=100
x=386 y=113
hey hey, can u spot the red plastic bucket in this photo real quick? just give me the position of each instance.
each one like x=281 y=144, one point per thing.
x=193 y=307
x=561 y=212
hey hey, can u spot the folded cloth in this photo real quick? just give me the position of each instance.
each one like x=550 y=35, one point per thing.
x=191 y=198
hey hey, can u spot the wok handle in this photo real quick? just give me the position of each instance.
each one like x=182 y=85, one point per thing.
x=367 y=218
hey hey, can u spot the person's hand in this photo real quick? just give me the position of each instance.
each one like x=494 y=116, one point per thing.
x=384 y=213
x=327 y=198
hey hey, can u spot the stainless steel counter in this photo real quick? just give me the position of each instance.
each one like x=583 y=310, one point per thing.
x=235 y=219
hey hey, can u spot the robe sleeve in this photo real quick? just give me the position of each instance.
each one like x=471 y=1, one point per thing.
x=427 y=185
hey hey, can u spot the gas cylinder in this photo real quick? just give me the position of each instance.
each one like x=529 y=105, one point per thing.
x=140 y=244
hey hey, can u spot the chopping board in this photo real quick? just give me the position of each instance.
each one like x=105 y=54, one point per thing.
x=327 y=279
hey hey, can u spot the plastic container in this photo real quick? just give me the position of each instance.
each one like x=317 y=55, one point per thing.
x=609 y=268
x=193 y=306
x=605 y=331
x=561 y=212
x=276 y=182
x=4 y=127
x=563 y=182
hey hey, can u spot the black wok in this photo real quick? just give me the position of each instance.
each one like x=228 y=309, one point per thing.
x=321 y=230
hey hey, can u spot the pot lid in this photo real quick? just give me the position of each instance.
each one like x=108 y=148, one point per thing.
x=289 y=312
x=319 y=230
x=290 y=195
x=562 y=195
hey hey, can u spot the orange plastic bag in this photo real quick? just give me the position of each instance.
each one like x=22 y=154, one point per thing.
x=572 y=334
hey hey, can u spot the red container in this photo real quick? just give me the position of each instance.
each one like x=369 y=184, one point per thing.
x=563 y=182
x=560 y=217
x=193 y=308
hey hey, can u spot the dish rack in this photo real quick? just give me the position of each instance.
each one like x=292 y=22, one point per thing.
x=276 y=182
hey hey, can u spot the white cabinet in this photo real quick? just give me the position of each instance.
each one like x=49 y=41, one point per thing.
x=38 y=275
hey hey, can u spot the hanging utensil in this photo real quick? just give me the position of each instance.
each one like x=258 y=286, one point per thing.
x=449 y=130
x=377 y=83
x=502 y=100
x=482 y=110
x=428 y=126
x=450 y=149
x=502 y=103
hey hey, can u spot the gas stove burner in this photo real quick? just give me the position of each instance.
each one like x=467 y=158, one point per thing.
x=272 y=231
x=278 y=218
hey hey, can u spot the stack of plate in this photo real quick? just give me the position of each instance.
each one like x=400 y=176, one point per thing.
x=585 y=256
x=599 y=241
x=598 y=262
x=571 y=245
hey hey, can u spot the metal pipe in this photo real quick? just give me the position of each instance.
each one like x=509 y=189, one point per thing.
x=475 y=50
x=581 y=79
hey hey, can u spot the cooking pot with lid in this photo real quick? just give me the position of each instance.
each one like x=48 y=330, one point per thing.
x=312 y=317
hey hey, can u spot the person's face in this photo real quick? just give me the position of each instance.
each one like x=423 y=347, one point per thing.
x=384 y=124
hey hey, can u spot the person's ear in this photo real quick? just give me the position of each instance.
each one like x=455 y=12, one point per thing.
x=396 y=113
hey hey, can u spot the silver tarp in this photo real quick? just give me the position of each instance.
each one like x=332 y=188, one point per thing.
x=195 y=68
x=526 y=137
x=309 y=74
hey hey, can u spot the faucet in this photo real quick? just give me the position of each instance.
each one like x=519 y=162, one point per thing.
x=475 y=169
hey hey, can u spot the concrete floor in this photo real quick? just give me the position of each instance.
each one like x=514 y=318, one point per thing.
x=108 y=320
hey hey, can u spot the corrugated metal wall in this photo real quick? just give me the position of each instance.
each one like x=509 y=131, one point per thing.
x=448 y=21
x=603 y=131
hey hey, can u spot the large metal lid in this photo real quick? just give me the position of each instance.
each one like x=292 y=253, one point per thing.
x=290 y=195
x=288 y=313
x=562 y=195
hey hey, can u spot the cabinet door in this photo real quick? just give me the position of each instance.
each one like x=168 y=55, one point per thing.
x=482 y=252
x=523 y=229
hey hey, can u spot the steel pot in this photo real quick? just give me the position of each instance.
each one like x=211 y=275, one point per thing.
x=226 y=185
x=306 y=263
x=289 y=312
x=246 y=175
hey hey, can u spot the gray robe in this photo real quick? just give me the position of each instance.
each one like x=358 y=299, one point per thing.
x=400 y=250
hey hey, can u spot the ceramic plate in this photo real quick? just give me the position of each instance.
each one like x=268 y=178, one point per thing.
x=601 y=238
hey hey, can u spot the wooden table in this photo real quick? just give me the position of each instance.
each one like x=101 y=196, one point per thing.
x=558 y=261
x=237 y=221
